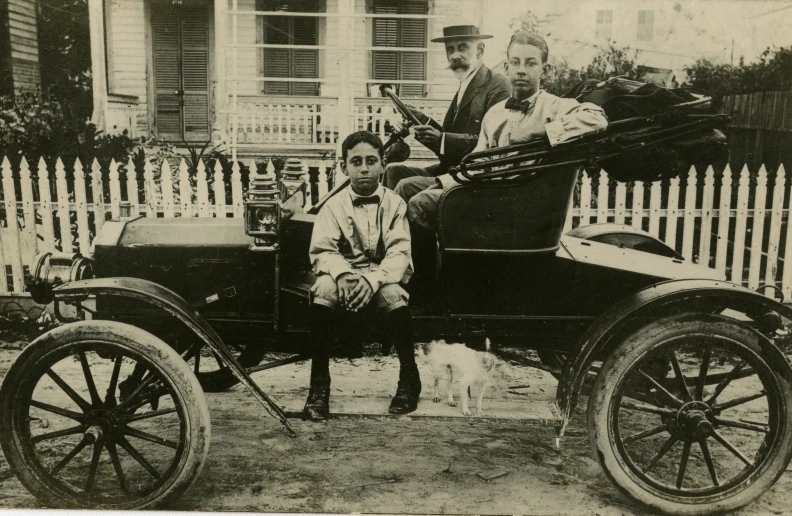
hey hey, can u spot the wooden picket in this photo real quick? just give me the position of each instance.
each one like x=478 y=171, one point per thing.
x=753 y=235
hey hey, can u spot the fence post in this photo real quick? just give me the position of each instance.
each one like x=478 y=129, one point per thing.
x=202 y=190
x=688 y=223
x=81 y=207
x=621 y=201
x=219 y=190
x=776 y=220
x=132 y=189
x=741 y=224
x=45 y=198
x=150 y=190
x=585 y=200
x=706 y=217
x=97 y=192
x=602 y=197
x=724 y=219
x=672 y=212
x=185 y=191
x=166 y=177
x=115 y=191
x=637 y=205
x=28 y=208
x=236 y=189
x=757 y=234
x=12 y=229
x=64 y=215
x=655 y=194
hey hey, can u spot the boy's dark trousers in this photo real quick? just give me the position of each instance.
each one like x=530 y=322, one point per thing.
x=327 y=325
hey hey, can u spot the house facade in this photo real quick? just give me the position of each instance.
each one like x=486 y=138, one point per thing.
x=667 y=35
x=269 y=77
x=19 y=61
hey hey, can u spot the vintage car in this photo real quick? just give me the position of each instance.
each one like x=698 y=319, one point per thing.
x=689 y=398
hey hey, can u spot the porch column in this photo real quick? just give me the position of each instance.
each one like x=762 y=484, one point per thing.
x=346 y=72
x=98 y=70
x=221 y=119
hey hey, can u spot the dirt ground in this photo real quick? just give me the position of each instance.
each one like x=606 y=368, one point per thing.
x=394 y=466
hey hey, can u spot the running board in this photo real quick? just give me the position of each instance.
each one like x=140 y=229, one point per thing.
x=367 y=407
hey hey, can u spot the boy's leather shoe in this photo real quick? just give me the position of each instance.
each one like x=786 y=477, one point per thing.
x=317 y=406
x=408 y=393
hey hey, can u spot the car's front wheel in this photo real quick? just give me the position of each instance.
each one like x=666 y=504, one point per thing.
x=688 y=417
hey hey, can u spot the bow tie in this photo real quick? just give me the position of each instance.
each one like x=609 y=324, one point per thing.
x=360 y=201
x=518 y=105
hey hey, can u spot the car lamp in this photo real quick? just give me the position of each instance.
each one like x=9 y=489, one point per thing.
x=262 y=210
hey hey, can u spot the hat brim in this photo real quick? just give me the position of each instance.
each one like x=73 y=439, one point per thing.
x=457 y=38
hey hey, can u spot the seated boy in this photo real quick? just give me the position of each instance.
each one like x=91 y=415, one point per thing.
x=360 y=251
x=529 y=114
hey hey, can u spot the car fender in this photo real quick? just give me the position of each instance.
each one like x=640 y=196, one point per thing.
x=650 y=303
x=175 y=305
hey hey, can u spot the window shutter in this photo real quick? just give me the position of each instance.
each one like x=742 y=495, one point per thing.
x=165 y=32
x=195 y=70
x=291 y=63
x=400 y=32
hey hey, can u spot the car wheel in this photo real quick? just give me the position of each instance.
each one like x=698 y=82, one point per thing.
x=76 y=439
x=709 y=434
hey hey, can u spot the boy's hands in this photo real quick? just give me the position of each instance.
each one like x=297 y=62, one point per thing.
x=361 y=295
x=354 y=291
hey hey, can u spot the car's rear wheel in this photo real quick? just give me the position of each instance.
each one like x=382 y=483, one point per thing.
x=708 y=434
x=76 y=438
x=212 y=373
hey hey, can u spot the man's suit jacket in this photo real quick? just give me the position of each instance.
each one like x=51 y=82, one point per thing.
x=462 y=123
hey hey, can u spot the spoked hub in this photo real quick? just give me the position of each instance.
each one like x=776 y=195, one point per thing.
x=692 y=415
x=76 y=439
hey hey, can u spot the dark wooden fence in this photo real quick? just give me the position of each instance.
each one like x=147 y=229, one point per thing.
x=761 y=129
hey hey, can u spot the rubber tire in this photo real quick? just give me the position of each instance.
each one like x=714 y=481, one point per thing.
x=127 y=337
x=619 y=362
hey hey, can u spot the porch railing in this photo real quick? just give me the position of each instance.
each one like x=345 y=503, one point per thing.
x=313 y=122
x=122 y=112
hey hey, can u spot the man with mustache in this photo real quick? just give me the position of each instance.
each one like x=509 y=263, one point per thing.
x=479 y=90
x=530 y=114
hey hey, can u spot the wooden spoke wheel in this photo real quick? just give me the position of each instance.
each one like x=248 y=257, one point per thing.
x=708 y=433
x=75 y=439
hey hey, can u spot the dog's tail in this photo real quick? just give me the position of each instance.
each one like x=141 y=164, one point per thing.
x=487 y=344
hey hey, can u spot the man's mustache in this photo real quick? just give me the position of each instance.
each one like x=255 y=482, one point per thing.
x=459 y=63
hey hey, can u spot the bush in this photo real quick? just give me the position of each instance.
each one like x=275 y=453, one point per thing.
x=35 y=126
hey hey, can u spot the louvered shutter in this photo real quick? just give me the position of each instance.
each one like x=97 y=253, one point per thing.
x=276 y=60
x=305 y=63
x=165 y=29
x=293 y=63
x=195 y=71
x=413 y=64
x=400 y=32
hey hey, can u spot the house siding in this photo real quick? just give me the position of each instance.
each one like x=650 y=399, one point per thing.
x=127 y=53
x=24 y=58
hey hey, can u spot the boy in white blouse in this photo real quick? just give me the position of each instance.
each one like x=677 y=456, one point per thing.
x=360 y=251
x=529 y=114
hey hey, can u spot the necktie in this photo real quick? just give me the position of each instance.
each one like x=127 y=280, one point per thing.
x=517 y=105
x=360 y=201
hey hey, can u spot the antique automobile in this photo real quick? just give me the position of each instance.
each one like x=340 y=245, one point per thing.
x=689 y=398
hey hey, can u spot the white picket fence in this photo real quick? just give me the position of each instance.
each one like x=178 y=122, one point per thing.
x=743 y=241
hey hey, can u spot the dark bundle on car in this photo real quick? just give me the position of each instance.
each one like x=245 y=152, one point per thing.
x=653 y=133
x=637 y=112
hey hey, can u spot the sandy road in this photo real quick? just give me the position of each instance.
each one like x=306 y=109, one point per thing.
x=394 y=466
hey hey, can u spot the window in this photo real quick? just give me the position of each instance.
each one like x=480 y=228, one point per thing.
x=400 y=32
x=290 y=62
x=645 y=25
x=604 y=24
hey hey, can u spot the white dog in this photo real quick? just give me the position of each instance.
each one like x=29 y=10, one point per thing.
x=470 y=367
